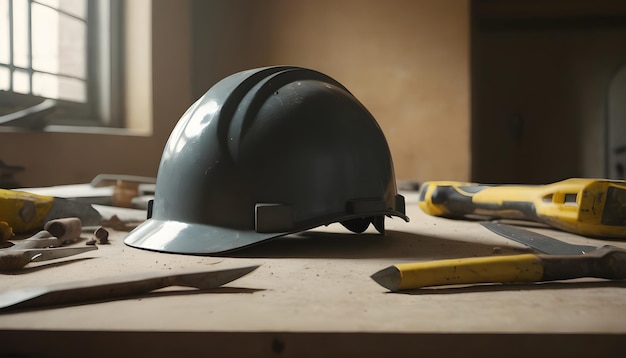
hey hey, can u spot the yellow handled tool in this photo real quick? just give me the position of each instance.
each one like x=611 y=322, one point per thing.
x=27 y=212
x=504 y=269
x=559 y=261
x=606 y=262
x=591 y=207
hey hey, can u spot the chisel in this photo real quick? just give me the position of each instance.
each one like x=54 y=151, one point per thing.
x=591 y=207
x=607 y=262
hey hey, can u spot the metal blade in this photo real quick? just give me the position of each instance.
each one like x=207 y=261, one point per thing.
x=64 y=208
x=207 y=280
x=109 y=288
x=539 y=242
x=57 y=252
x=390 y=278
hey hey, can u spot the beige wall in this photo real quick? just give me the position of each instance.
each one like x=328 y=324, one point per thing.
x=406 y=61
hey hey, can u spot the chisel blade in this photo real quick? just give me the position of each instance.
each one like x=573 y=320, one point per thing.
x=536 y=241
x=65 y=208
x=46 y=254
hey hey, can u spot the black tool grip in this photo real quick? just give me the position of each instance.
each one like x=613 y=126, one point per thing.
x=459 y=203
x=606 y=262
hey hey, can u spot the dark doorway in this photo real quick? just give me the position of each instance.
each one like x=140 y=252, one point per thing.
x=540 y=71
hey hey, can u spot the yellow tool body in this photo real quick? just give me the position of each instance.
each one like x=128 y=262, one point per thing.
x=22 y=211
x=504 y=269
x=591 y=207
x=606 y=262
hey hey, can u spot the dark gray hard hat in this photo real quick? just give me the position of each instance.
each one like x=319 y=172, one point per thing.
x=264 y=153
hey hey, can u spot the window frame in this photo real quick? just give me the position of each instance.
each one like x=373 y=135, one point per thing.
x=104 y=68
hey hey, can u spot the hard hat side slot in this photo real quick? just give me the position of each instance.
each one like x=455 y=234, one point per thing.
x=365 y=206
x=273 y=218
x=400 y=205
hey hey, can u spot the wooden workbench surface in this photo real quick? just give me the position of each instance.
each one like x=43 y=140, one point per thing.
x=312 y=294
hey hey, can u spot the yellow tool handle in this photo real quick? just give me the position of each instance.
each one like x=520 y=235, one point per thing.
x=464 y=200
x=592 y=207
x=502 y=269
x=608 y=262
x=23 y=211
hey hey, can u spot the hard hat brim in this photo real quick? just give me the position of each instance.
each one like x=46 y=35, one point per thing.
x=173 y=237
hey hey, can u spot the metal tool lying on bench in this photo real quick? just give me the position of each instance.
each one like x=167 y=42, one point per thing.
x=39 y=247
x=562 y=261
x=115 y=287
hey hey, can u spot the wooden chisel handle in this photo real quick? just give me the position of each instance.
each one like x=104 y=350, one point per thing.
x=41 y=239
x=14 y=259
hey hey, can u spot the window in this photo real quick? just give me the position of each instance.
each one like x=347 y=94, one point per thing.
x=64 y=50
